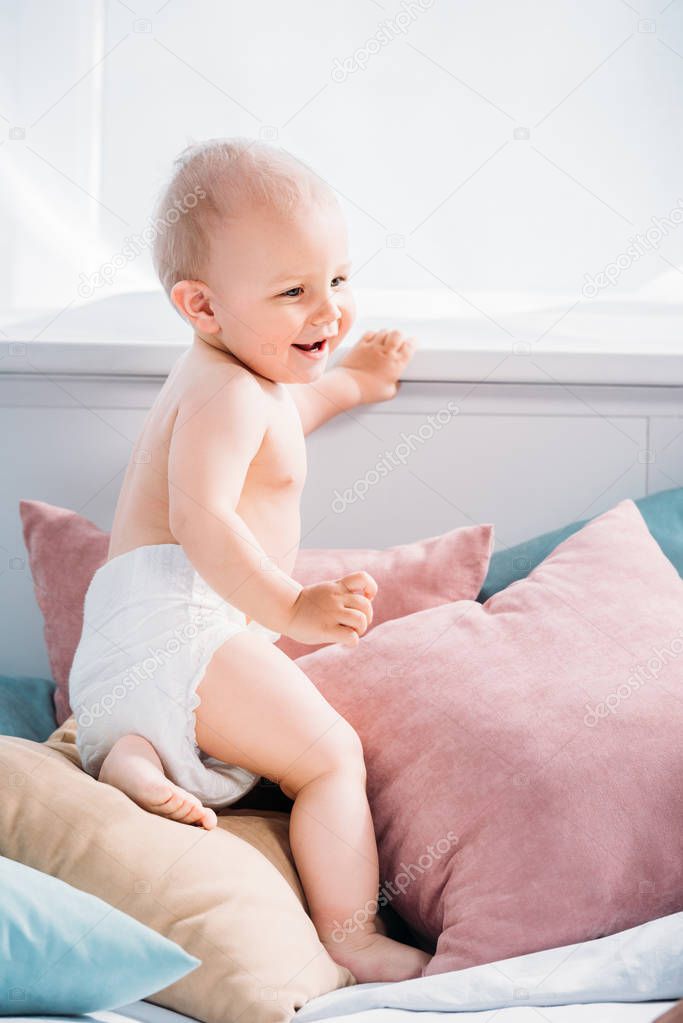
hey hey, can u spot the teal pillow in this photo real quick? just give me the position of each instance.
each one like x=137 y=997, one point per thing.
x=26 y=707
x=663 y=514
x=63 y=951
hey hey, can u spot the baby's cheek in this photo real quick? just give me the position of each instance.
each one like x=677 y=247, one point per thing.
x=347 y=319
x=349 y=309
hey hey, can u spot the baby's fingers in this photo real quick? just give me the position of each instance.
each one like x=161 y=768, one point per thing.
x=361 y=603
x=360 y=582
x=346 y=636
x=393 y=339
x=355 y=619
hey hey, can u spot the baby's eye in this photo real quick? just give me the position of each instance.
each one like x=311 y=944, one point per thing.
x=294 y=292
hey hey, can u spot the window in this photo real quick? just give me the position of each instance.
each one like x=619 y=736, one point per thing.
x=487 y=154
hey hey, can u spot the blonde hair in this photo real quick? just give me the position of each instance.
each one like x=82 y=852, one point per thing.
x=219 y=179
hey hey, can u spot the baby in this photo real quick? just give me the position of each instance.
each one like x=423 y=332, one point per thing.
x=206 y=533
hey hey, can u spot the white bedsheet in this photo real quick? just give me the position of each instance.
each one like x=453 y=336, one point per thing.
x=630 y=977
x=640 y=964
x=602 y=1012
x=594 y=1012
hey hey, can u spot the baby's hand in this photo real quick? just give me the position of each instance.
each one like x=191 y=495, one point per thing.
x=333 y=612
x=377 y=361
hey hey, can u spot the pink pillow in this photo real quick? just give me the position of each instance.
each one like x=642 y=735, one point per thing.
x=65 y=550
x=410 y=577
x=525 y=755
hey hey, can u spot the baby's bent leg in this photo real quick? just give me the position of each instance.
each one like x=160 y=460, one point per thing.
x=133 y=766
x=259 y=710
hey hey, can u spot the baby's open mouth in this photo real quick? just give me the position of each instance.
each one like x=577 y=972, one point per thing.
x=313 y=347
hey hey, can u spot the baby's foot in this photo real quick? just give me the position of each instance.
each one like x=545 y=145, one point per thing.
x=374 y=957
x=132 y=766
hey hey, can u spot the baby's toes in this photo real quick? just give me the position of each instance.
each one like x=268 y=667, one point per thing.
x=208 y=818
x=172 y=800
x=198 y=814
x=189 y=811
x=180 y=806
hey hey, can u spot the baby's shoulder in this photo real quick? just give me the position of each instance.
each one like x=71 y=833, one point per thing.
x=199 y=372
x=216 y=387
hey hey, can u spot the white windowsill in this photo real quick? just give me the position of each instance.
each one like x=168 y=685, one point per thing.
x=599 y=341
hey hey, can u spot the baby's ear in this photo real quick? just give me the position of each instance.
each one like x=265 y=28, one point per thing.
x=192 y=300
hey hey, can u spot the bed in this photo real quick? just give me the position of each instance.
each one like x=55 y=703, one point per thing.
x=565 y=431
x=619 y=979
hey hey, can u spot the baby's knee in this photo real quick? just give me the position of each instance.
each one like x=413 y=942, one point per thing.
x=339 y=751
x=346 y=751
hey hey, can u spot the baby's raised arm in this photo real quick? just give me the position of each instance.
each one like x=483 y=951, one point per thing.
x=217 y=433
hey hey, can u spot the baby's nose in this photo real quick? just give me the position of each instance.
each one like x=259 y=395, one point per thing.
x=328 y=314
x=330 y=329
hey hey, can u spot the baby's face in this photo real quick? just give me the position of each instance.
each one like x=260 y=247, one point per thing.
x=278 y=282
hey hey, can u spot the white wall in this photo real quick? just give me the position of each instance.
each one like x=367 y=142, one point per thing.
x=526 y=457
x=420 y=144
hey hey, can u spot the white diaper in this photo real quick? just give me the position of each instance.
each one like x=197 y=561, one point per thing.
x=150 y=627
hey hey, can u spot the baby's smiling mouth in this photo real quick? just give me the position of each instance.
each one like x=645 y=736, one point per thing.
x=314 y=346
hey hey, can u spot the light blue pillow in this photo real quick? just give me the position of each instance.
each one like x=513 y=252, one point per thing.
x=663 y=514
x=26 y=707
x=63 y=951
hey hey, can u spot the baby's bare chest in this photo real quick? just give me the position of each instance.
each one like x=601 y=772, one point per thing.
x=280 y=462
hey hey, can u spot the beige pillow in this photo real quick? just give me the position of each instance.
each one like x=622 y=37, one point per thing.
x=230 y=896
